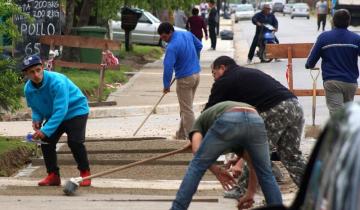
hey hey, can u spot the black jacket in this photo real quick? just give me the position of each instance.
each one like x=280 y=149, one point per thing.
x=264 y=19
x=250 y=86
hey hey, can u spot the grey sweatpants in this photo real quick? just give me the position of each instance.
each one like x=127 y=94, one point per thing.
x=337 y=93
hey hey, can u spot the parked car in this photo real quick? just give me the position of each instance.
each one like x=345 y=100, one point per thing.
x=287 y=9
x=144 y=33
x=278 y=7
x=244 y=11
x=300 y=10
x=331 y=179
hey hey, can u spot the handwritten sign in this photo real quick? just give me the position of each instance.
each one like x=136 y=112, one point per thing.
x=46 y=16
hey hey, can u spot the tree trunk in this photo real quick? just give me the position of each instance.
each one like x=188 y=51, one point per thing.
x=70 y=6
x=85 y=12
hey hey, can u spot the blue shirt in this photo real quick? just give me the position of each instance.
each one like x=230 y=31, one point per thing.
x=339 y=50
x=56 y=100
x=182 y=55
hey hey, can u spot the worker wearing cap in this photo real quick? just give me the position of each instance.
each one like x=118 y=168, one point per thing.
x=229 y=127
x=58 y=106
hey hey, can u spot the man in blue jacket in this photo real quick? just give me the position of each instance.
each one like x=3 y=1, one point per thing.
x=339 y=50
x=182 y=56
x=260 y=18
x=58 y=106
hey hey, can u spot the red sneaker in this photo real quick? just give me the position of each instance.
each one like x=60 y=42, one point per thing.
x=85 y=183
x=52 y=179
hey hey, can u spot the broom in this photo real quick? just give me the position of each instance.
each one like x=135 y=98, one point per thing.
x=72 y=185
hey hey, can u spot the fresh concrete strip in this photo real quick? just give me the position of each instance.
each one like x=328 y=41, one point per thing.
x=117 y=183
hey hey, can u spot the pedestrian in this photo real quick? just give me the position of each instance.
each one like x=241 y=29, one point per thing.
x=58 y=106
x=213 y=20
x=280 y=109
x=321 y=10
x=182 y=56
x=196 y=24
x=229 y=127
x=259 y=19
x=180 y=18
x=204 y=7
x=339 y=50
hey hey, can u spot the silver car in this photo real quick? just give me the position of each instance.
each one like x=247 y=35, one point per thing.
x=244 y=11
x=144 y=33
x=300 y=10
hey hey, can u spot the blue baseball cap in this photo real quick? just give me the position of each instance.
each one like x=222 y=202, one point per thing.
x=29 y=61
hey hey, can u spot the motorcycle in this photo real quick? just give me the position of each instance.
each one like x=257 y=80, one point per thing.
x=267 y=36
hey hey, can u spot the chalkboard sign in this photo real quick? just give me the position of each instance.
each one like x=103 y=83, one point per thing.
x=46 y=16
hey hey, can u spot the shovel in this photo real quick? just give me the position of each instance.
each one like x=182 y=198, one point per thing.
x=313 y=130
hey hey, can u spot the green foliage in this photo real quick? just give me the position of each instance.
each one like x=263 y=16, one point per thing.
x=8 y=144
x=108 y=9
x=10 y=86
x=88 y=81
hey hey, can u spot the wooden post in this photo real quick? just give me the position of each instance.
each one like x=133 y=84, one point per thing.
x=291 y=83
x=101 y=82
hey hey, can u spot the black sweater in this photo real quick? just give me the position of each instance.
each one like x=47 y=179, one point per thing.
x=249 y=86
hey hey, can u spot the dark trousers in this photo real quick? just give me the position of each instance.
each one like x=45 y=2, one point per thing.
x=212 y=33
x=253 y=46
x=75 y=129
x=321 y=19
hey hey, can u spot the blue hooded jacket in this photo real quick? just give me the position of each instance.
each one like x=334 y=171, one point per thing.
x=57 y=99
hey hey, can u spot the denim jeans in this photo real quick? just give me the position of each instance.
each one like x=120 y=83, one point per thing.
x=232 y=131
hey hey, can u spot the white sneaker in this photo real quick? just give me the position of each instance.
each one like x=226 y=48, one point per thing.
x=249 y=61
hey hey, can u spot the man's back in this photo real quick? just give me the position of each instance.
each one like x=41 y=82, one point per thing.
x=339 y=50
x=249 y=86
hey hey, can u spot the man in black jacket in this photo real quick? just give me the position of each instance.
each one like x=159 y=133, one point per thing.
x=280 y=109
x=260 y=18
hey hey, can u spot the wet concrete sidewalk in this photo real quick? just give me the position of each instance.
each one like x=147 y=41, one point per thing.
x=144 y=89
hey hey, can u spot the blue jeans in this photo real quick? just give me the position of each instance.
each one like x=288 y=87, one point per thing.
x=232 y=131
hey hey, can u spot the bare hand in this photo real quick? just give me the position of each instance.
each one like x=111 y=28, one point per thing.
x=166 y=90
x=38 y=135
x=227 y=181
x=236 y=170
x=246 y=202
x=36 y=125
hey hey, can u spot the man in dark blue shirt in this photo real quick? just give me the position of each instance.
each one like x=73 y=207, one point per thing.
x=260 y=18
x=339 y=50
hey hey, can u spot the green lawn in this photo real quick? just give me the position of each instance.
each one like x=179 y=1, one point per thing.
x=141 y=50
x=7 y=144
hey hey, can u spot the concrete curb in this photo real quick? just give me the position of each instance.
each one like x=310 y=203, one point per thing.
x=104 y=112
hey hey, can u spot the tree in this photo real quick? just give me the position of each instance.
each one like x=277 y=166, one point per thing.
x=9 y=77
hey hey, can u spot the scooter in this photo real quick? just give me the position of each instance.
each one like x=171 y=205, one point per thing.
x=267 y=36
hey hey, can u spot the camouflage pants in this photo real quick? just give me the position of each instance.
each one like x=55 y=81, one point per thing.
x=284 y=124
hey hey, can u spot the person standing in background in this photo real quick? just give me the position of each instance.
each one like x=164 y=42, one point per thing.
x=204 y=10
x=212 y=22
x=180 y=18
x=197 y=25
x=321 y=10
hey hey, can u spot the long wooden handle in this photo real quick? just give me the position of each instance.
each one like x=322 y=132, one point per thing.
x=138 y=162
x=152 y=110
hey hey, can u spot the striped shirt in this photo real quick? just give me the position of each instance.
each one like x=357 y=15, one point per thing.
x=339 y=50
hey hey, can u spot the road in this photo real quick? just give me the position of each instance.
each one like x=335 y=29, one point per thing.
x=297 y=30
